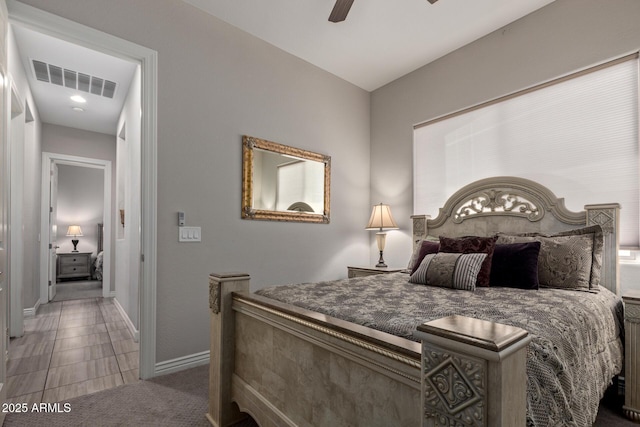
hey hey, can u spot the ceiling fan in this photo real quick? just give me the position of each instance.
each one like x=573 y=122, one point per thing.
x=341 y=9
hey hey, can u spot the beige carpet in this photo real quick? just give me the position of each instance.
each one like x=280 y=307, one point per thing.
x=171 y=400
x=180 y=399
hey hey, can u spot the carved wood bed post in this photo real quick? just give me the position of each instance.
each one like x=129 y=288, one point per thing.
x=222 y=411
x=608 y=217
x=419 y=228
x=473 y=373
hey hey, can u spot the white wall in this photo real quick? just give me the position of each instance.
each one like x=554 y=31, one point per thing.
x=562 y=37
x=215 y=84
x=82 y=143
x=128 y=196
x=30 y=148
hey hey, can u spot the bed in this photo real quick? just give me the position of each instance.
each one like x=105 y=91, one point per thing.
x=381 y=351
x=98 y=261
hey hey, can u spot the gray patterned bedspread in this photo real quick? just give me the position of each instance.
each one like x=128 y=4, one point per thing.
x=576 y=343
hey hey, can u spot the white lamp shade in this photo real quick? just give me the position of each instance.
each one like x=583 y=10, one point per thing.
x=74 y=230
x=381 y=218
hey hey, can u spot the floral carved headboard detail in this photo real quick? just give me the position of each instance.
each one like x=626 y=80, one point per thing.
x=493 y=201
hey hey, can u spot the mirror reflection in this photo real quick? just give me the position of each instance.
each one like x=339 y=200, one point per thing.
x=287 y=183
x=283 y=183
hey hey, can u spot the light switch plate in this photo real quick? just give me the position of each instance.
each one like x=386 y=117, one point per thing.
x=189 y=234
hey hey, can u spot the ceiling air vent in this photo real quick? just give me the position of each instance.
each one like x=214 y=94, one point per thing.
x=72 y=79
x=41 y=70
x=55 y=74
x=96 y=85
x=109 y=89
x=83 y=82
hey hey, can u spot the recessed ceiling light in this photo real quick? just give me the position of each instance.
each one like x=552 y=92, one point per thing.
x=77 y=109
x=78 y=98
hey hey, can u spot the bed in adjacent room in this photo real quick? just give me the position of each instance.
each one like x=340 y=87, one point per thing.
x=97 y=264
x=346 y=352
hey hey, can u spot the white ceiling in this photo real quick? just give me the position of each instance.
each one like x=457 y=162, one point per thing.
x=53 y=102
x=380 y=41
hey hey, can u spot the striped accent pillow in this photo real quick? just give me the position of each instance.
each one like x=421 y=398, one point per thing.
x=449 y=270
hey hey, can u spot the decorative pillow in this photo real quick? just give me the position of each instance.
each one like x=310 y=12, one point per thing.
x=449 y=270
x=426 y=247
x=569 y=260
x=472 y=244
x=413 y=262
x=595 y=231
x=515 y=265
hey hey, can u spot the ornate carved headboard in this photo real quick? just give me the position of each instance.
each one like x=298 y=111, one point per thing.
x=518 y=205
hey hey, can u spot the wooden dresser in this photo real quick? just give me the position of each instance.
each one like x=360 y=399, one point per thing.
x=73 y=265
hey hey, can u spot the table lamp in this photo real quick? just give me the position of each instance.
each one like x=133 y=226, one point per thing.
x=74 y=231
x=381 y=219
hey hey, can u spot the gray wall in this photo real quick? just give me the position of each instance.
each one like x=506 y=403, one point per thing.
x=562 y=37
x=215 y=84
x=82 y=143
x=80 y=202
x=31 y=177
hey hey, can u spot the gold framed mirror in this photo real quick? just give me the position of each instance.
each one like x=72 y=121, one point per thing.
x=283 y=183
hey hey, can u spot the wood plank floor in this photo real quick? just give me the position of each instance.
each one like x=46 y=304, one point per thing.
x=69 y=349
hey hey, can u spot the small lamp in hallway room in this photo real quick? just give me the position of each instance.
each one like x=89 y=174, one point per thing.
x=74 y=231
x=381 y=219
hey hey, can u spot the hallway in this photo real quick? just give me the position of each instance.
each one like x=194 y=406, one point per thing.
x=71 y=348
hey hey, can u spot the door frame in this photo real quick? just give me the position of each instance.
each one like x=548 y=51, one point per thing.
x=64 y=159
x=5 y=192
x=82 y=35
x=16 y=159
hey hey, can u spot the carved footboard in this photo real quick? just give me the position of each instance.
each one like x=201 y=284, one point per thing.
x=473 y=373
x=287 y=366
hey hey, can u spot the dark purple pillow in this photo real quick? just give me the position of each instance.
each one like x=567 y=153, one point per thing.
x=427 y=247
x=515 y=265
x=469 y=245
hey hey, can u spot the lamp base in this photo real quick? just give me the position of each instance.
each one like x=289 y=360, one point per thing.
x=75 y=245
x=381 y=262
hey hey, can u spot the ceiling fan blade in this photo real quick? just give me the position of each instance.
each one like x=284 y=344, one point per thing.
x=432 y=1
x=340 y=10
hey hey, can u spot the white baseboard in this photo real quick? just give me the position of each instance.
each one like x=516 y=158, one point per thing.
x=31 y=311
x=134 y=332
x=112 y=294
x=181 y=363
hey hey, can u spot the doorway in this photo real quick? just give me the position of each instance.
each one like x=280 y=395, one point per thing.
x=49 y=221
x=93 y=39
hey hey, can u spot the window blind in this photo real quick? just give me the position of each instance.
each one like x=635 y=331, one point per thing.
x=578 y=137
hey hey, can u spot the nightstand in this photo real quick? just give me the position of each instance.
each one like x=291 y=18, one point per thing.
x=370 y=271
x=631 y=357
x=74 y=264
